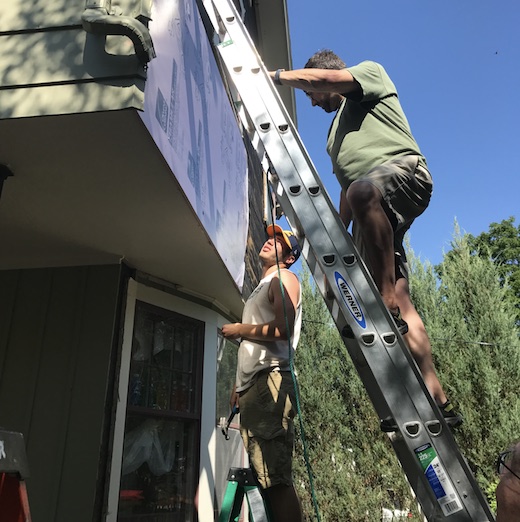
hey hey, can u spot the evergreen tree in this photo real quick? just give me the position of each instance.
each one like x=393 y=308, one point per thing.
x=471 y=323
x=502 y=245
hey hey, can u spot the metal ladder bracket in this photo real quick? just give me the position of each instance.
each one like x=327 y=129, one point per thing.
x=241 y=483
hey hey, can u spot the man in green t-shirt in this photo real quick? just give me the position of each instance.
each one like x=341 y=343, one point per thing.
x=385 y=184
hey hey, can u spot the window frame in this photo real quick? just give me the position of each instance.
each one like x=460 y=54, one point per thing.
x=159 y=297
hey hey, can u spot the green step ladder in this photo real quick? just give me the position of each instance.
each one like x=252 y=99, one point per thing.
x=242 y=482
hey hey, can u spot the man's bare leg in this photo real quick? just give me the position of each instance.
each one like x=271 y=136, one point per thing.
x=419 y=342
x=364 y=199
x=378 y=238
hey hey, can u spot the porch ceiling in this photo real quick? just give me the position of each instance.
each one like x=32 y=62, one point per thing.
x=94 y=189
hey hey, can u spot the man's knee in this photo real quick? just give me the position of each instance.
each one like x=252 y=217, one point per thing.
x=361 y=195
x=402 y=290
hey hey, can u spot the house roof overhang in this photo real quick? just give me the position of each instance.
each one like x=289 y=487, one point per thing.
x=94 y=189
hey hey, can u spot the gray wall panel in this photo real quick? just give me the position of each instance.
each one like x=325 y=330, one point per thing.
x=56 y=350
x=91 y=398
x=22 y=351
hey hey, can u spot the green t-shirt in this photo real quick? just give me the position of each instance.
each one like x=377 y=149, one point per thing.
x=368 y=131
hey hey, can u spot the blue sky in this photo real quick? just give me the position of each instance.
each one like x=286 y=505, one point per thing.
x=456 y=66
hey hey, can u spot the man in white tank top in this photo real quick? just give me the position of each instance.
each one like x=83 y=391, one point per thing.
x=265 y=389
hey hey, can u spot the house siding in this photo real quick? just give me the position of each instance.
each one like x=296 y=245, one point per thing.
x=57 y=332
x=50 y=65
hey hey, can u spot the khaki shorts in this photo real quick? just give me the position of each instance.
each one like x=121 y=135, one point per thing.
x=267 y=427
x=406 y=187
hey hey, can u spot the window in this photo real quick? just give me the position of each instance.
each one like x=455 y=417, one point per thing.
x=227 y=355
x=160 y=465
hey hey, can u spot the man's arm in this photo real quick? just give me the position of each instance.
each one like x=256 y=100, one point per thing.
x=319 y=80
x=285 y=304
x=277 y=328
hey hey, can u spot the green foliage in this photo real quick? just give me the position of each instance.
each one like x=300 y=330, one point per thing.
x=502 y=245
x=355 y=470
x=491 y=495
x=467 y=308
x=471 y=322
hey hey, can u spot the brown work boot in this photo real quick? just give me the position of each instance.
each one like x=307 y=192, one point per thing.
x=452 y=418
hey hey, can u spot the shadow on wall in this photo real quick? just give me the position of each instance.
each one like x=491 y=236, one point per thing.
x=46 y=44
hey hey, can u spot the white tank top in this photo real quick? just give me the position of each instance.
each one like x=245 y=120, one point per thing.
x=256 y=356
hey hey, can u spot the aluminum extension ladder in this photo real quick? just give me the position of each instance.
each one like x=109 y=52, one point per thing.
x=437 y=472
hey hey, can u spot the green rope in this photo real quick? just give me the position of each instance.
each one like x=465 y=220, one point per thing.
x=297 y=394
